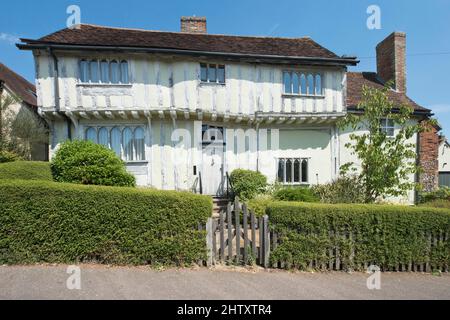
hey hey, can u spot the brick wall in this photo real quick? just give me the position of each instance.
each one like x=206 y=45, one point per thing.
x=428 y=158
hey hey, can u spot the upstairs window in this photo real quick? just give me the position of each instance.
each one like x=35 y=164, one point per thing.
x=299 y=83
x=104 y=71
x=212 y=73
x=293 y=171
x=387 y=126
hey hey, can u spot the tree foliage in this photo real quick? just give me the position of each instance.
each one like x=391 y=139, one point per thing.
x=386 y=163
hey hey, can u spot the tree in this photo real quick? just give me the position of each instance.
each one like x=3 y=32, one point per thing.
x=19 y=131
x=386 y=162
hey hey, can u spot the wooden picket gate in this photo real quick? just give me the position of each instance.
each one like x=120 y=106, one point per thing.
x=238 y=237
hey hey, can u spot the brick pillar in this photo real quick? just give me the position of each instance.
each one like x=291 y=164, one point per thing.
x=428 y=158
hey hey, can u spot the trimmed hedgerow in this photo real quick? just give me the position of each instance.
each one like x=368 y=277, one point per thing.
x=301 y=194
x=85 y=162
x=26 y=170
x=48 y=222
x=383 y=235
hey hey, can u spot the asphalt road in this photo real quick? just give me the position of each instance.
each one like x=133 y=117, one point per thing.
x=102 y=282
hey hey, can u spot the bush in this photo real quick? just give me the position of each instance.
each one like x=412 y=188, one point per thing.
x=443 y=193
x=345 y=189
x=85 y=162
x=247 y=184
x=259 y=204
x=382 y=235
x=26 y=170
x=48 y=222
x=296 y=194
x=8 y=156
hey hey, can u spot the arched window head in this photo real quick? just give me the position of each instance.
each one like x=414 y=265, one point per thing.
x=303 y=84
x=116 y=137
x=295 y=84
x=91 y=135
x=124 y=72
x=127 y=143
x=318 y=85
x=104 y=71
x=310 y=84
x=139 y=143
x=103 y=137
x=84 y=71
x=114 y=71
x=287 y=82
x=93 y=71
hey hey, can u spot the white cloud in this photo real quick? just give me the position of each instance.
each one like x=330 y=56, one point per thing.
x=8 y=38
x=440 y=108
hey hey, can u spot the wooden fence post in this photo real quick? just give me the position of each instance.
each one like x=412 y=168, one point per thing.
x=245 y=225
x=230 y=233
x=237 y=215
x=253 y=228
x=209 y=241
x=222 y=236
x=266 y=241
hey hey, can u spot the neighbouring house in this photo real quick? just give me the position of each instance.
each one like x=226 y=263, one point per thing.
x=444 y=161
x=26 y=110
x=185 y=108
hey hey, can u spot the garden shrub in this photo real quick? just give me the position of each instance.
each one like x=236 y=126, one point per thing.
x=247 y=184
x=443 y=193
x=383 y=235
x=345 y=189
x=259 y=204
x=26 y=170
x=85 y=162
x=438 y=203
x=48 y=222
x=8 y=156
x=301 y=194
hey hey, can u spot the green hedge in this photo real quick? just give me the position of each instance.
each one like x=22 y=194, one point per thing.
x=387 y=236
x=302 y=194
x=67 y=223
x=26 y=170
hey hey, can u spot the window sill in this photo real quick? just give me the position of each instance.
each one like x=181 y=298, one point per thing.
x=295 y=95
x=201 y=83
x=106 y=85
x=136 y=162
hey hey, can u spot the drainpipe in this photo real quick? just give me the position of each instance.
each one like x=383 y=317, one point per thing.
x=56 y=86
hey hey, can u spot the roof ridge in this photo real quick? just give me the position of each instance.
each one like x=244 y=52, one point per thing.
x=195 y=34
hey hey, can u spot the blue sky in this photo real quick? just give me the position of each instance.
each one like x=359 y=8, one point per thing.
x=338 y=25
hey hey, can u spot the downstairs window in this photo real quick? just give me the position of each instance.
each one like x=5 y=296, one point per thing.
x=293 y=170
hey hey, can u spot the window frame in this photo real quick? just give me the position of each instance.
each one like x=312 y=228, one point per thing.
x=303 y=83
x=100 y=71
x=121 y=129
x=385 y=127
x=294 y=160
x=217 y=67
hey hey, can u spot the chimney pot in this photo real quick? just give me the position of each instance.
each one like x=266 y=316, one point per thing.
x=391 y=60
x=193 y=24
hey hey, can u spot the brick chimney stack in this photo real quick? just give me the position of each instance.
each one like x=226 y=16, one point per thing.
x=193 y=24
x=391 y=60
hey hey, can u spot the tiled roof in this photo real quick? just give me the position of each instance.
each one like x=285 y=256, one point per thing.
x=17 y=84
x=356 y=81
x=91 y=35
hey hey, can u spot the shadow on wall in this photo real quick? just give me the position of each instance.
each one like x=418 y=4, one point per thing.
x=304 y=139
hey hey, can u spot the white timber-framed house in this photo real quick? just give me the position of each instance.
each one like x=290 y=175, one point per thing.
x=258 y=103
